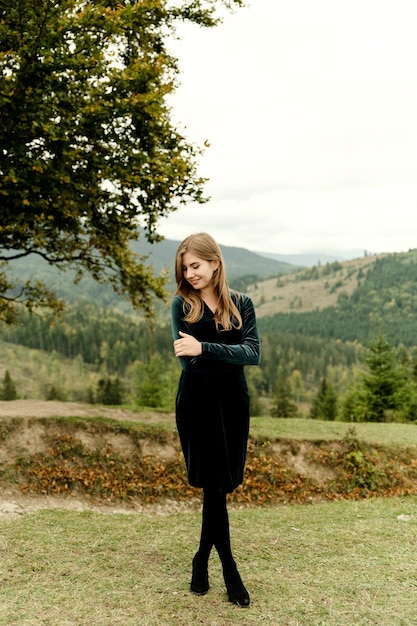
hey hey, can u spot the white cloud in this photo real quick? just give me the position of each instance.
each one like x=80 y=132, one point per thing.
x=310 y=111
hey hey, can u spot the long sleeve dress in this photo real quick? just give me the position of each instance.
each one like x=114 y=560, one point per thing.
x=212 y=404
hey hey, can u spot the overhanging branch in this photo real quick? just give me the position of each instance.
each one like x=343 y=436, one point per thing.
x=44 y=255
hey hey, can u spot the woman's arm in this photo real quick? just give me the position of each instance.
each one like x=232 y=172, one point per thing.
x=189 y=349
x=179 y=328
x=248 y=352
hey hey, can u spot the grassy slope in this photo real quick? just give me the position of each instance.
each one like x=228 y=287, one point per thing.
x=35 y=371
x=317 y=430
x=290 y=294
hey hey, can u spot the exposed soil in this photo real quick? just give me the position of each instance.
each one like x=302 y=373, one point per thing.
x=34 y=437
x=283 y=470
x=14 y=503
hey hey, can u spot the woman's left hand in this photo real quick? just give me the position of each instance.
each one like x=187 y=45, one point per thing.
x=187 y=345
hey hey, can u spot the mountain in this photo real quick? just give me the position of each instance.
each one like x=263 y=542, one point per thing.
x=349 y=301
x=309 y=259
x=239 y=262
x=312 y=288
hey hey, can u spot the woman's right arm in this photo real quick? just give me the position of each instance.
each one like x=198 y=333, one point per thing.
x=177 y=325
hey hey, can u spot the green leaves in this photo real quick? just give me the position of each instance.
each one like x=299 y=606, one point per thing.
x=89 y=153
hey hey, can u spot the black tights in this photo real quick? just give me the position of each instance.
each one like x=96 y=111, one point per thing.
x=215 y=529
x=215 y=532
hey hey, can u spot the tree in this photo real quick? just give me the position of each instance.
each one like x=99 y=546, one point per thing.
x=89 y=156
x=284 y=405
x=385 y=385
x=109 y=391
x=8 y=391
x=352 y=406
x=324 y=406
x=150 y=379
x=257 y=387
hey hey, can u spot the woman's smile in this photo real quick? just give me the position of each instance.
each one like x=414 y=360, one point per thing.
x=198 y=272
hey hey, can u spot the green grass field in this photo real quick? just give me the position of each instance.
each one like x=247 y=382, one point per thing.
x=326 y=564
x=299 y=428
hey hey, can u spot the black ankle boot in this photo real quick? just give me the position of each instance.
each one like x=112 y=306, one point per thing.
x=199 y=580
x=236 y=590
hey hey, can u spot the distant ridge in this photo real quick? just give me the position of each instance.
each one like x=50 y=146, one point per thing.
x=161 y=256
x=239 y=261
x=354 y=300
x=310 y=259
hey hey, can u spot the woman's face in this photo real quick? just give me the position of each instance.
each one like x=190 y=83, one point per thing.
x=198 y=272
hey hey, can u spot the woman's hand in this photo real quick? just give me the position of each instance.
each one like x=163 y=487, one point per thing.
x=187 y=345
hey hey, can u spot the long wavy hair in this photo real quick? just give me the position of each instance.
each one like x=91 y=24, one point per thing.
x=227 y=315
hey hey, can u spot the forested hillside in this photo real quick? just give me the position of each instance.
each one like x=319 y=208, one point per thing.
x=351 y=301
x=316 y=325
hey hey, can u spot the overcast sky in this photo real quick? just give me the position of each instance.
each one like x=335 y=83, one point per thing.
x=310 y=108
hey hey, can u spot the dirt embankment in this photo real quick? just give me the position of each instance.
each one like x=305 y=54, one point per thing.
x=133 y=463
x=34 y=437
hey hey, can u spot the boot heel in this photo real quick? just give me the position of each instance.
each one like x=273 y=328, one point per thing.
x=236 y=590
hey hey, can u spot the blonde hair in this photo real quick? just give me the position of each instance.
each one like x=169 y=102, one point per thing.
x=203 y=245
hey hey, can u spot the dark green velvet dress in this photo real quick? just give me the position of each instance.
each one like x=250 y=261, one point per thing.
x=212 y=404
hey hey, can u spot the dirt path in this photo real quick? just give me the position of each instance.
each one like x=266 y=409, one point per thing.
x=15 y=504
x=53 y=408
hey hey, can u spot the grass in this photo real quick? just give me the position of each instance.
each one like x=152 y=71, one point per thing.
x=340 y=563
x=152 y=423
x=34 y=372
x=293 y=293
x=317 y=430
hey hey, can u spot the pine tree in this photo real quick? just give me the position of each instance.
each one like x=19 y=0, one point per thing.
x=8 y=391
x=324 y=406
x=285 y=406
x=386 y=383
x=150 y=382
x=109 y=391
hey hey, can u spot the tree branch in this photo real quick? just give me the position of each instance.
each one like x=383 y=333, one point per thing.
x=20 y=255
x=12 y=299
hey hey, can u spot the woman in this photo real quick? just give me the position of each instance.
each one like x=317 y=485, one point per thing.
x=215 y=335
